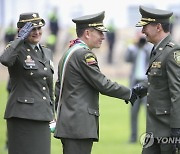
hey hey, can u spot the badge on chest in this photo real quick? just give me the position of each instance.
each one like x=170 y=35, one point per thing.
x=29 y=62
x=156 y=65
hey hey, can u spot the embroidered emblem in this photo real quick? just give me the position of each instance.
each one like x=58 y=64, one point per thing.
x=8 y=45
x=156 y=65
x=177 y=57
x=90 y=59
x=171 y=44
x=29 y=62
x=34 y=15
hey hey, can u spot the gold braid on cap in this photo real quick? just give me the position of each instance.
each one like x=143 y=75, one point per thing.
x=95 y=24
x=148 y=19
x=30 y=19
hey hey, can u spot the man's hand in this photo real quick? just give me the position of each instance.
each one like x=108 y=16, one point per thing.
x=25 y=30
x=133 y=98
x=140 y=90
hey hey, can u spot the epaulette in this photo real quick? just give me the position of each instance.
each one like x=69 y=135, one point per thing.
x=44 y=46
x=171 y=44
x=8 y=45
x=86 y=48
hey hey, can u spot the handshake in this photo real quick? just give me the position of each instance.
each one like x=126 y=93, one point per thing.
x=137 y=91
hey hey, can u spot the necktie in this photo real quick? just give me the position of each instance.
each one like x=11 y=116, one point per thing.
x=38 y=52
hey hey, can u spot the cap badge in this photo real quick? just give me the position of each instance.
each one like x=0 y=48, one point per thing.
x=34 y=15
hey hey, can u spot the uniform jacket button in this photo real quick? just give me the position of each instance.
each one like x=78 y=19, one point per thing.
x=44 y=98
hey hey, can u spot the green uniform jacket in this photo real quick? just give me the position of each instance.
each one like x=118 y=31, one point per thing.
x=79 y=114
x=163 y=97
x=31 y=96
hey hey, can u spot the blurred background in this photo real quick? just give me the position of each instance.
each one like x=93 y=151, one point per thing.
x=120 y=18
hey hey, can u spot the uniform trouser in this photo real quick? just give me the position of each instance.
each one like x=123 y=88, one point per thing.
x=77 y=146
x=159 y=148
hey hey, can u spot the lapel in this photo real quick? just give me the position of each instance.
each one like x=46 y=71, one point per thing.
x=45 y=55
x=158 y=51
x=31 y=52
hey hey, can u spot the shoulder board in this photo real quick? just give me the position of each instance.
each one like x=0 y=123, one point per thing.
x=8 y=45
x=171 y=44
x=44 y=46
x=86 y=48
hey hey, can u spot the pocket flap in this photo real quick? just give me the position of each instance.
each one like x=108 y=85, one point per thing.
x=93 y=112
x=155 y=72
x=30 y=67
x=161 y=111
x=25 y=100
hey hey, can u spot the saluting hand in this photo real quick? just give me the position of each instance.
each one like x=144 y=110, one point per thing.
x=25 y=30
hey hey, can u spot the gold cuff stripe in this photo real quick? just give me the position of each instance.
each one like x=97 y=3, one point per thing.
x=30 y=19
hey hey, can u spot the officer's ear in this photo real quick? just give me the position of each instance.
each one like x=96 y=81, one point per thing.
x=159 y=27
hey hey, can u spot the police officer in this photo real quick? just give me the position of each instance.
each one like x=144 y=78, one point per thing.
x=30 y=103
x=163 y=85
x=77 y=88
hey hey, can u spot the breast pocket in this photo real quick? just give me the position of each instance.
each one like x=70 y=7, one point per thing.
x=30 y=67
x=29 y=71
x=155 y=72
x=25 y=100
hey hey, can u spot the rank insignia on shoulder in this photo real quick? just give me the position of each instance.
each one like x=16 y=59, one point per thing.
x=171 y=44
x=177 y=57
x=90 y=59
x=43 y=46
x=8 y=45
